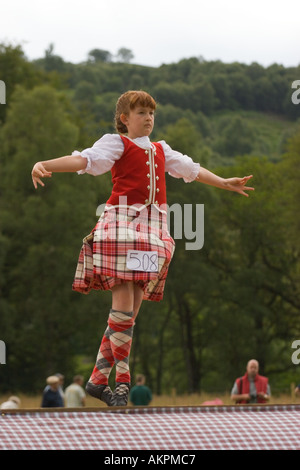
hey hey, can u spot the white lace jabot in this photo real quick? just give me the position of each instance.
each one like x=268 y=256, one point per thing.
x=143 y=142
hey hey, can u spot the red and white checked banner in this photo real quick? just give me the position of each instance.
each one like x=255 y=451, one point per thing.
x=256 y=427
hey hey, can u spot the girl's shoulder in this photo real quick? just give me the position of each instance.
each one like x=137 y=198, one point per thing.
x=166 y=148
x=109 y=142
x=110 y=138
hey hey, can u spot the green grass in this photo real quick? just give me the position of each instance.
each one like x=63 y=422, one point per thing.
x=30 y=402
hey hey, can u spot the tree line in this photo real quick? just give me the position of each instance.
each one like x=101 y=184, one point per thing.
x=236 y=298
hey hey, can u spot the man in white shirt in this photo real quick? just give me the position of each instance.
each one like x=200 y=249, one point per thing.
x=12 y=403
x=74 y=393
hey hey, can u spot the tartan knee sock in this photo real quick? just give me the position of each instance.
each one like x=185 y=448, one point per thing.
x=104 y=361
x=121 y=325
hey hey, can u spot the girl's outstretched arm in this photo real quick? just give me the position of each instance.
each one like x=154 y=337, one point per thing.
x=237 y=185
x=57 y=165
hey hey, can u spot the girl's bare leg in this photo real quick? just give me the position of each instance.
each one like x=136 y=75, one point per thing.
x=138 y=299
x=123 y=297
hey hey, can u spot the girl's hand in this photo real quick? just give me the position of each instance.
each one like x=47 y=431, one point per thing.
x=39 y=171
x=238 y=185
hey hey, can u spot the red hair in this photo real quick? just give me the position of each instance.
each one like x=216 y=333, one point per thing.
x=129 y=101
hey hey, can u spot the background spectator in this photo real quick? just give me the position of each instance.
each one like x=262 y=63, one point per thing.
x=140 y=394
x=74 y=393
x=51 y=396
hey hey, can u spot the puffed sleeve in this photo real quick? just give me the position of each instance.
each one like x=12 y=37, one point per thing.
x=179 y=165
x=102 y=155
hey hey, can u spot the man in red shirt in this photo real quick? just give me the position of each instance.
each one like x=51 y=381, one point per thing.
x=252 y=387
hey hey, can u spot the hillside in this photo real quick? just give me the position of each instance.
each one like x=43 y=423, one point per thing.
x=237 y=298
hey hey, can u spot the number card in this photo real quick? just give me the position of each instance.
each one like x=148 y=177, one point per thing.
x=142 y=260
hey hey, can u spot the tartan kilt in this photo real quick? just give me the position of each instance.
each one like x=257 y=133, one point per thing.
x=102 y=259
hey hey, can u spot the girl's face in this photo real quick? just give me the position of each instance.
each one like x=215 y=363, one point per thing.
x=139 y=122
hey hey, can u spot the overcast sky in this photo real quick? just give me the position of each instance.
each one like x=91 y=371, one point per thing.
x=157 y=31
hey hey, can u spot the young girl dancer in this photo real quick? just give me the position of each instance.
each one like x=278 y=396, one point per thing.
x=130 y=248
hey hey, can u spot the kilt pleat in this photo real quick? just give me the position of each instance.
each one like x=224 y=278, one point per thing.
x=102 y=258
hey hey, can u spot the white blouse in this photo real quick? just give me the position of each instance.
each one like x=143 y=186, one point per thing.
x=107 y=150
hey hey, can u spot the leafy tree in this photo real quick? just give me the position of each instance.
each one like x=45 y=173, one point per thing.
x=203 y=98
x=33 y=236
x=16 y=69
x=85 y=92
x=182 y=136
x=257 y=272
x=53 y=61
x=125 y=55
x=236 y=137
x=99 y=55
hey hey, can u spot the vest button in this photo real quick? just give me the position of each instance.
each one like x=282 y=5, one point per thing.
x=157 y=178
x=148 y=187
x=148 y=175
x=155 y=165
x=157 y=190
x=147 y=162
x=146 y=201
x=146 y=152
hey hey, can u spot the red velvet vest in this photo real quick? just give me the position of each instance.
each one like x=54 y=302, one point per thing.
x=260 y=382
x=139 y=176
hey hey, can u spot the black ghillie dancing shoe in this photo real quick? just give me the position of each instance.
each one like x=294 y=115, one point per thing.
x=120 y=395
x=102 y=392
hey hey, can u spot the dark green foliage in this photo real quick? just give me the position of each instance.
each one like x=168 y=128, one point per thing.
x=235 y=299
